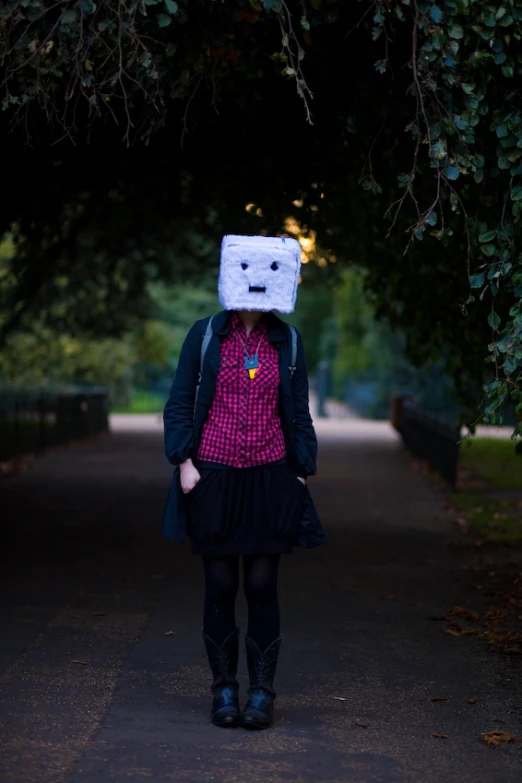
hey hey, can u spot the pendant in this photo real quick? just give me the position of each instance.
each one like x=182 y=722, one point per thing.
x=252 y=365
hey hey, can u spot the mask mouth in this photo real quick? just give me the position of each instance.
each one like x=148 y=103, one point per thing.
x=256 y=289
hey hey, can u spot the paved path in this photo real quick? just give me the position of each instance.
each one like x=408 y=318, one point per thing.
x=102 y=674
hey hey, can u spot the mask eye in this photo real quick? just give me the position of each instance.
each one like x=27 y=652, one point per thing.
x=244 y=265
x=274 y=266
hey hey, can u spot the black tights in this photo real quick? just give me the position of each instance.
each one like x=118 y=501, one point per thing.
x=260 y=586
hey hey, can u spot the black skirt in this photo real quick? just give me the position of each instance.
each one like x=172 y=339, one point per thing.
x=245 y=511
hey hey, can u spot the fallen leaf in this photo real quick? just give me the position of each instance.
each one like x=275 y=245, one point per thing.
x=466 y=614
x=497 y=615
x=360 y=724
x=80 y=663
x=170 y=633
x=437 y=699
x=439 y=735
x=340 y=698
x=497 y=737
x=472 y=701
x=110 y=687
x=455 y=630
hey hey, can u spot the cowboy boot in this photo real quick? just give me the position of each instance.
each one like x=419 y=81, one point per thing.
x=223 y=663
x=259 y=709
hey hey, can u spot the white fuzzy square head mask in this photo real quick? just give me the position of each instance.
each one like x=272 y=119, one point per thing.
x=259 y=273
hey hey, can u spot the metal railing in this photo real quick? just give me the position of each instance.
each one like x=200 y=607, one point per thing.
x=33 y=420
x=429 y=437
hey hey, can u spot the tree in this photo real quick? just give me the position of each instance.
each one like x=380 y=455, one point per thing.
x=417 y=118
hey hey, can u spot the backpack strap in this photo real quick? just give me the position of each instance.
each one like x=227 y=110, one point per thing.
x=204 y=345
x=293 y=360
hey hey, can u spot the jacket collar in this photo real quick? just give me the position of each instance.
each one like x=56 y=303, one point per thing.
x=276 y=328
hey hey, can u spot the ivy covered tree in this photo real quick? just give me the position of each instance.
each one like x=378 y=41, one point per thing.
x=390 y=131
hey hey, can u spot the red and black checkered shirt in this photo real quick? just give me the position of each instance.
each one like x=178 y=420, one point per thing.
x=243 y=428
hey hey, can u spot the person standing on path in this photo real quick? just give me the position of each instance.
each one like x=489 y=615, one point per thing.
x=239 y=430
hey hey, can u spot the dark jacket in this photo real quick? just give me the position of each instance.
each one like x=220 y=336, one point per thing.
x=184 y=422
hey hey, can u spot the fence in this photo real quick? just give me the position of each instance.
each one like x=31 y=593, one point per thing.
x=429 y=437
x=33 y=420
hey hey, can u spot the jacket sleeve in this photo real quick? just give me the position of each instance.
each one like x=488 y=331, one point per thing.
x=178 y=416
x=305 y=438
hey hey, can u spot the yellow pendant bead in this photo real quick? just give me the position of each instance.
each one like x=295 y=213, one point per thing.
x=252 y=373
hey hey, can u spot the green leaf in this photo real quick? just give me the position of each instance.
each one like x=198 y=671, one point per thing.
x=438 y=150
x=494 y=320
x=87 y=6
x=171 y=7
x=488 y=250
x=456 y=31
x=452 y=172
x=477 y=280
x=460 y=123
x=507 y=71
x=435 y=13
x=503 y=163
x=516 y=193
x=502 y=131
x=164 y=20
x=487 y=236
x=478 y=176
x=68 y=17
x=305 y=24
x=432 y=218
x=273 y=5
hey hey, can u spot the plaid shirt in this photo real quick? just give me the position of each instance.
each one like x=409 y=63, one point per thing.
x=243 y=428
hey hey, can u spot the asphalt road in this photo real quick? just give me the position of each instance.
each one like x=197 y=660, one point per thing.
x=102 y=670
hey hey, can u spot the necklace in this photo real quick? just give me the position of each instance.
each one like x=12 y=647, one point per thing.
x=251 y=362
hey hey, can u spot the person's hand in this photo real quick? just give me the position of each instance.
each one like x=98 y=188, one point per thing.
x=189 y=476
x=302 y=480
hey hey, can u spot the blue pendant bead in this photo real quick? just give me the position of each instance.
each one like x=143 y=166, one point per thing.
x=251 y=362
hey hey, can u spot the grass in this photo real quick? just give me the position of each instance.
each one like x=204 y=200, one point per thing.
x=494 y=521
x=493 y=460
x=491 y=467
x=143 y=402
